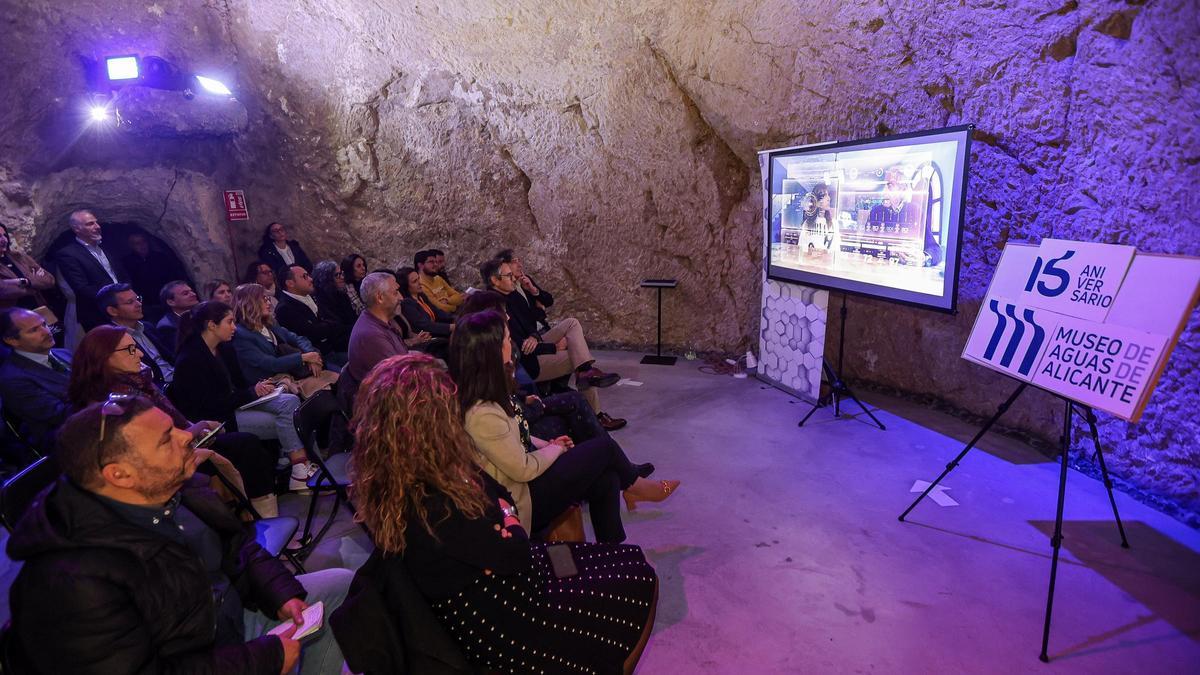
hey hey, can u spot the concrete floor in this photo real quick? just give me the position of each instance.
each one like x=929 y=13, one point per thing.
x=781 y=553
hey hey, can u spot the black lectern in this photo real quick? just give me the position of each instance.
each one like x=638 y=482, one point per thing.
x=657 y=359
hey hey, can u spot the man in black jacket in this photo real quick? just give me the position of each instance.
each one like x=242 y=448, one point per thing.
x=298 y=312
x=124 y=308
x=560 y=351
x=538 y=298
x=84 y=266
x=130 y=567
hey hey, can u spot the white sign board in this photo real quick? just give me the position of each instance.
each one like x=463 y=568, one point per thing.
x=1092 y=322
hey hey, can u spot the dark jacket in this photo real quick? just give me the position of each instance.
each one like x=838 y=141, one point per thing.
x=209 y=386
x=98 y=594
x=327 y=334
x=86 y=276
x=36 y=395
x=523 y=323
x=260 y=359
x=167 y=330
x=165 y=350
x=437 y=325
x=337 y=307
x=270 y=255
x=384 y=626
x=538 y=303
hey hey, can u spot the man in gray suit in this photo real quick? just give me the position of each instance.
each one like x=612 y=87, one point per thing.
x=34 y=378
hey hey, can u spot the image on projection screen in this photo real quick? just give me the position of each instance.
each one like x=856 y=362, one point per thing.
x=877 y=217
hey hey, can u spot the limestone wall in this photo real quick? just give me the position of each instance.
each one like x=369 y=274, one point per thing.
x=612 y=140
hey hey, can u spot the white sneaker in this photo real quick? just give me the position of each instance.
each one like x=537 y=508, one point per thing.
x=300 y=474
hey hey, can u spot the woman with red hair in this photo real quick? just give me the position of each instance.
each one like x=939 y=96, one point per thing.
x=109 y=362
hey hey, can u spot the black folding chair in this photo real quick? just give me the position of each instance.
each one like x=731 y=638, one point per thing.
x=17 y=449
x=331 y=475
x=20 y=490
x=272 y=534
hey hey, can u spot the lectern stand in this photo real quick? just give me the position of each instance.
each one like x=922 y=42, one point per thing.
x=657 y=359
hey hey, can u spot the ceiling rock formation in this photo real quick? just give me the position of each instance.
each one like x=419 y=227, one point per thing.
x=611 y=141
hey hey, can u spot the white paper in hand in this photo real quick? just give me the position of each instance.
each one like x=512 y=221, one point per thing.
x=314 y=617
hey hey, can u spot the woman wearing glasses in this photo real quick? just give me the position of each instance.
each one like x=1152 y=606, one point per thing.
x=330 y=293
x=108 y=362
x=452 y=529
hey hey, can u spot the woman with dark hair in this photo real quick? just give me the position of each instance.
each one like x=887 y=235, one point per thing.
x=209 y=384
x=354 y=270
x=219 y=290
x=330 y=293
x=261 y=273
x=438 y=520
x=278 y=251
x=545 y=477
x=108 y=361
x=22 y=279
x=416 y=308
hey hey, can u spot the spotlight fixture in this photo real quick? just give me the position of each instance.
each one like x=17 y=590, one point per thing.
x=97 y=113
x=213 y=86
x=122 y=68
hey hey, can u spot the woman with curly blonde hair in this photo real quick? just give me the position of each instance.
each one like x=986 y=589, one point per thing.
x=418 y=489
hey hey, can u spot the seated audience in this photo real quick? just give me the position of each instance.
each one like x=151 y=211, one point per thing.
x=84 y=266
x=124 y=308
x=131 y=567
x=108 y=362
x=178 y=296
x=330 y=293
x=34 y=377
x=354 y=269
x=538 y=298
x=22 y=279
x=298 y=312
x=456 y=534
x=209 y=385
x=279 y=251
x=266 y=350
x=562 y=350
x=437 y=289
x=150 y=270
x=546 y=477
x=219 y=290
x=259 y=272
x=376 y=334
x=416 y=308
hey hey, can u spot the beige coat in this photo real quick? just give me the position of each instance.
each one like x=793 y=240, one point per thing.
x=497 y=439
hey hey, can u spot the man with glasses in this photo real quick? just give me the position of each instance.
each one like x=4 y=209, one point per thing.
x=34 y=378
x=124 y=308
x=552 y=354
x=131 y=566
x=538 y=298
x=298 y=312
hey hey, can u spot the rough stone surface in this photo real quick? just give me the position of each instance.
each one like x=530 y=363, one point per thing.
x=612 y=141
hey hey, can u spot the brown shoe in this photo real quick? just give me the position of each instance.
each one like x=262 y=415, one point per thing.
x=609 y=422
x=594 y=377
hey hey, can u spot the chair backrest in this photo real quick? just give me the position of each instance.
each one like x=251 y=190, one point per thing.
x=315 y=412
x=19 y=491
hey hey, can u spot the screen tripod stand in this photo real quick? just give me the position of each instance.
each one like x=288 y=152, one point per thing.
x=1065 y=445
x=837 y=386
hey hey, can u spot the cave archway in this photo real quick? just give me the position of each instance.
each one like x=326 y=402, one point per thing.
x=147 y=280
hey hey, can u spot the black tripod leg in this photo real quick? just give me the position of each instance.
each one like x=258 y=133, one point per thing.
x=1056 y=540
x=815 y=408
x=833 y=385
x=864 y=408
x=1091 y=420
x=954 y=462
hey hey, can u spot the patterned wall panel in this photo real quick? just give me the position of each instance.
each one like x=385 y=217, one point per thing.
x=791 y=338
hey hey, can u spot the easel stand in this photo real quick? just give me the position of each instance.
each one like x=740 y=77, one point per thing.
x=1064 y=448
x=837 y=386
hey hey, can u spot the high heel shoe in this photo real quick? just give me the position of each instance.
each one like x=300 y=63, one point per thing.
x=644 y=490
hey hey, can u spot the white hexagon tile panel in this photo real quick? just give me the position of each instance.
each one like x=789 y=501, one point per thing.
x=792 y=336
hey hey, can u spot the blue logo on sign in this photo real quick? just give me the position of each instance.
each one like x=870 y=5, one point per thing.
x=1013 y=346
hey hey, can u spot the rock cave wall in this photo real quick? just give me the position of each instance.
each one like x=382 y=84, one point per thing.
x=611 y=141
